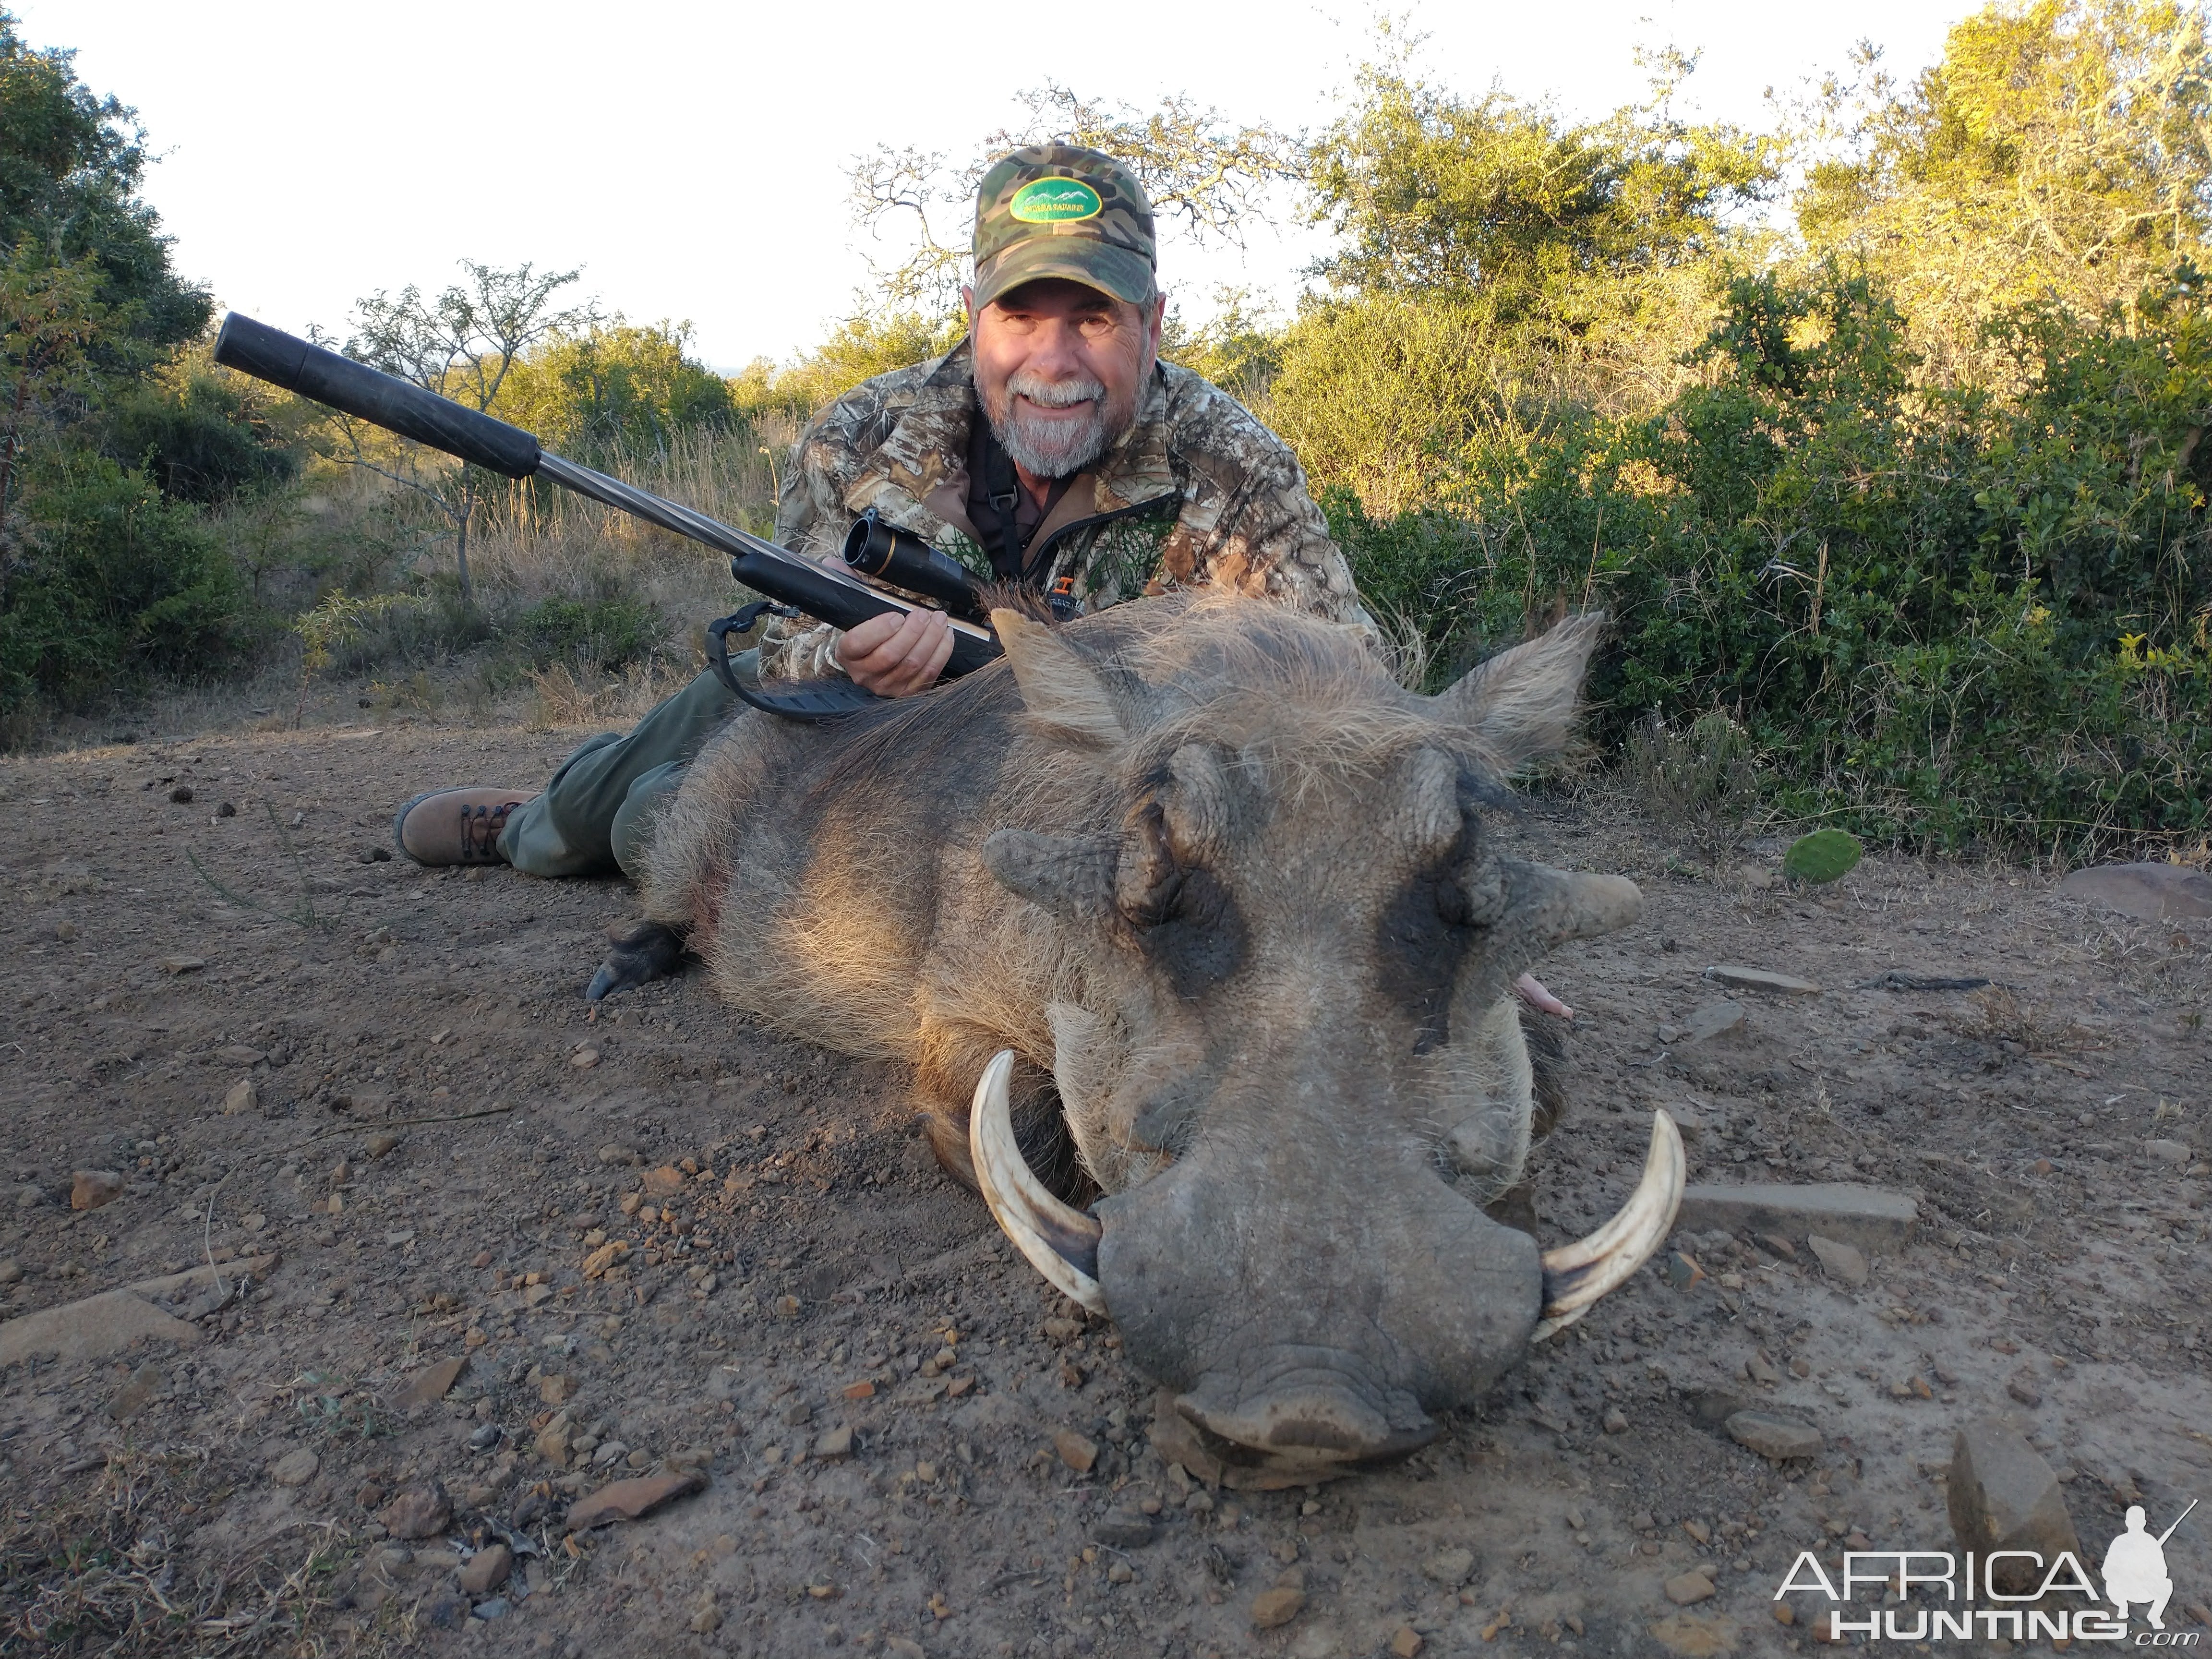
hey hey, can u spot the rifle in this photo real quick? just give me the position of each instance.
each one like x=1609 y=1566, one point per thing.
x=789 y=580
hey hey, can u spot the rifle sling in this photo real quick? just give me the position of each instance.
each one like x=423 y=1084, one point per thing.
x=809 y=700
x=995 y=500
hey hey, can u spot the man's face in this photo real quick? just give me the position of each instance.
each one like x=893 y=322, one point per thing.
x=1058 y=369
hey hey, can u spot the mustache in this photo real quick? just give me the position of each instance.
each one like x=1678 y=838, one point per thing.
x=1055 y=394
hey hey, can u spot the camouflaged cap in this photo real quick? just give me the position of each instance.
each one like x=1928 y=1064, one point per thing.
x=1059 y=210
x=1196 y=492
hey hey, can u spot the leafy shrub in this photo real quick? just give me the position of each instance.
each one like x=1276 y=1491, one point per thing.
x=602 y=632
x=201 y=442
x=1942 y=617
x=112 y=583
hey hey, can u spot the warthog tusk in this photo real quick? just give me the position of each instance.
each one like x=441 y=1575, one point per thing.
x=1575 y=1275
x=1061 y=1242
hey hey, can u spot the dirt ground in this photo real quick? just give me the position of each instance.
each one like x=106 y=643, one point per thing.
x=440 y=1144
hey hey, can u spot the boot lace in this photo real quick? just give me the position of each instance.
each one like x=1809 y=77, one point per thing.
x=480 y=827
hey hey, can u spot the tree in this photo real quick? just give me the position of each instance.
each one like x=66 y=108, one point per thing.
x=2060 y=151
x=101 y=575
x=1196 y=165
x=615 y=389
x=462 y=345
x=1500 y=268
x=50 y=320
x=1440 y=196
x=70 y=167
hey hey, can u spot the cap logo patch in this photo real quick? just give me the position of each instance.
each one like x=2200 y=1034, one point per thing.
x=1055 y=202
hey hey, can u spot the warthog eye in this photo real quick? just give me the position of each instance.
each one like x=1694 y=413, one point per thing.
x=1426 y=932
x=1147 y=884
x=1181 y=917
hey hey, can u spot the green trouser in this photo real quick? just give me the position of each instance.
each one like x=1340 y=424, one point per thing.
x=590 y=819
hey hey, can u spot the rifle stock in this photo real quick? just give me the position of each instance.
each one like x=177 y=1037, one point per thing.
x=384 y=400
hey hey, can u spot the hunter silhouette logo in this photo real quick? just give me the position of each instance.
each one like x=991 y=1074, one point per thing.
x=2133 y=1572
x=2135 y=1567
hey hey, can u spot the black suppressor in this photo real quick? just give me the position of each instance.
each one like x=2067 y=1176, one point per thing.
x=820 y=590
x=902 y=558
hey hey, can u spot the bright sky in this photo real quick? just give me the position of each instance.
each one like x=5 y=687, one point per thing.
x=693 y=158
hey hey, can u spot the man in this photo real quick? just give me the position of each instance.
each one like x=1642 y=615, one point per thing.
x=1095 y=473
x=1050 y=449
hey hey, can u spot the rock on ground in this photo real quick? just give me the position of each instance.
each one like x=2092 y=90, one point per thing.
x=91 y=1329
x=1771 y=1435
x=1839 y=1261
x=1712 y=1021
x=627 y=1500
x=1870 y=1218
x=1271 y=1609
x=420 y=1512
x=2002 y=1496
x=1759 y=979
x=295 y=1468
x=2148 y=892
x=487 y=1568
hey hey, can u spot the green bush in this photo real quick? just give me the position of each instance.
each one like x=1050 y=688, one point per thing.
x=614 y=389
x=605 y=632
x=1943 y=617
x=201 y=442
x=114 y=583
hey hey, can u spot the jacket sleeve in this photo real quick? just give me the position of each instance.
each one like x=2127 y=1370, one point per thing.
x=809 y=520
x=1268 y=538
x=1275 y=542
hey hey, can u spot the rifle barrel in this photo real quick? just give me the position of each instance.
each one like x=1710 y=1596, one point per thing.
x=820 y=590
x=828 y=594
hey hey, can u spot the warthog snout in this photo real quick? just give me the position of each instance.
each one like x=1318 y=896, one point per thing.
x=1309 y=1305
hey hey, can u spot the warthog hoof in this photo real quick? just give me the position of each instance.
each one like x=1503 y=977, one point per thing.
x=645 y=952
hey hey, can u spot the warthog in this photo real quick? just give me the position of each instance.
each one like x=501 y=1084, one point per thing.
x=1209 y=905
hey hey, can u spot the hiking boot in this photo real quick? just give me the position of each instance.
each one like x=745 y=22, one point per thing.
x=455 y=826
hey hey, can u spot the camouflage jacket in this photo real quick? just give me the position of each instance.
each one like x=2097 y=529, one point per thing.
x=1196 y=491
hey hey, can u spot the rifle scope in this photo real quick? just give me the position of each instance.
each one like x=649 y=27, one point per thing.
x=876 y=549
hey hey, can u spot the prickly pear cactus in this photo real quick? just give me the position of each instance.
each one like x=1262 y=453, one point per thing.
x=1826 y=856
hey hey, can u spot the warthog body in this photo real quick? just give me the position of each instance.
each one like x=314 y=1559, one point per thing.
x=1226 y=892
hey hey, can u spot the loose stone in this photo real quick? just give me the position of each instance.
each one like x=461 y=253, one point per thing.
x=1773 y=1436
x=1838 y=1260
x=2002 y=1496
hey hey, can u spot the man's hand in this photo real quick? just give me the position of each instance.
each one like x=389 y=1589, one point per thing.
x=894 y=655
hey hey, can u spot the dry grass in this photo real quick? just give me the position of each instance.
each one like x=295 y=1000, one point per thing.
x=563 y=698
x=1998 y=1014
x=101 y=1571
x=532 y=545
x=1700 y=781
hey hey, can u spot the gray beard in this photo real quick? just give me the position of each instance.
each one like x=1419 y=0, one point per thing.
x=1049 y=448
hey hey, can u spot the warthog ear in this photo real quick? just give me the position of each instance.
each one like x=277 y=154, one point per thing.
x=1067 y=699
x=1563 y=904
x=1070 y=876
x=1520 y=703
